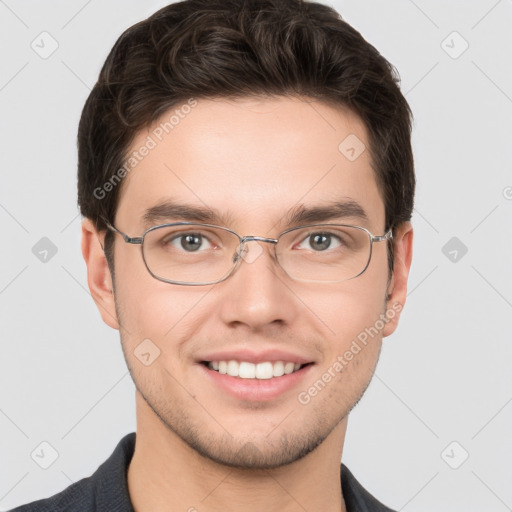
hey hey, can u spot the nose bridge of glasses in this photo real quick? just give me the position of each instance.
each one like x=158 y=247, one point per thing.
x=258 y=239
x=250 y=255
x=256 y=252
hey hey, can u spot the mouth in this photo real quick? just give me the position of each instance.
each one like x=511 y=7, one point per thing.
x=260 y=371
x=261 y=379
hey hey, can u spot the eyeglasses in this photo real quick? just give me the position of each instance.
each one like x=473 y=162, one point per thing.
x=186 y=253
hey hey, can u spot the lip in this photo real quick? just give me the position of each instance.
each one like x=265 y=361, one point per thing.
x=251 y=356
x=256 y=390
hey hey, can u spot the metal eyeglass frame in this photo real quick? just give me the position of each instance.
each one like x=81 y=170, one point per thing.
x=139 y=240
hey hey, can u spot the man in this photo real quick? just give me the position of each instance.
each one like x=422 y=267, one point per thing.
x=246 y=181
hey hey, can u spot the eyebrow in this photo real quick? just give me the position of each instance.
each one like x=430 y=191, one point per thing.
x=330 y=211
x=175 y=211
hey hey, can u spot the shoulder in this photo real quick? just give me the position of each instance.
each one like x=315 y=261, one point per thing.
x=104 y=491
x=77 y=497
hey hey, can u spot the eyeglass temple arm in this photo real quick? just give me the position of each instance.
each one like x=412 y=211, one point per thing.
x=126 y=238
x=381 y=238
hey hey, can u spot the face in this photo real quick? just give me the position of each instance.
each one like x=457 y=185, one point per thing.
x=252 y=162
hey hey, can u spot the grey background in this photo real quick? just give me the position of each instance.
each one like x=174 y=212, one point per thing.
x=444 y=376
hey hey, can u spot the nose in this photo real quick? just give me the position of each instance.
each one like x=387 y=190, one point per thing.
x=257 y=293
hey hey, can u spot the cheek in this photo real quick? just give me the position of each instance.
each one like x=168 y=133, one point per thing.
x=354 y=323
x=147 y=308
x=354 y=337
x=352 y=307
x=157 y=310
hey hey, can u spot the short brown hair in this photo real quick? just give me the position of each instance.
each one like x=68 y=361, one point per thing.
x=233 y=48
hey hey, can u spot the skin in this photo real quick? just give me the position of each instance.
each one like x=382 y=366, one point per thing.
x=256 y=159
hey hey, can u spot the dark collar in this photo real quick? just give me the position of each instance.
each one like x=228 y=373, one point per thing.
x=357 y=498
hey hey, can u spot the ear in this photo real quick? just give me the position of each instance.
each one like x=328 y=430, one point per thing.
x=98 y=274
x=397 y=289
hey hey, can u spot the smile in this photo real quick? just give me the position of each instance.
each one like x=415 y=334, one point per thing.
x=247 y=370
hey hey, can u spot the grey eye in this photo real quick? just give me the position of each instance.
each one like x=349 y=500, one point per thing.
x=191 y=242
x=320 y=241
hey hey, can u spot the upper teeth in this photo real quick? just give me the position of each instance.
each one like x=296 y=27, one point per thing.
x=246 y=370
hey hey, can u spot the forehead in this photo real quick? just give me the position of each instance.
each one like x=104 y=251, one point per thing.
x=252 y=159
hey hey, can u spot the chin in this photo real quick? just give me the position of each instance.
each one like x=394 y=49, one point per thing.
x=257 y=454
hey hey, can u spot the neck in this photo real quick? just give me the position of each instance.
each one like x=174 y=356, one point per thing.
x=166 y=475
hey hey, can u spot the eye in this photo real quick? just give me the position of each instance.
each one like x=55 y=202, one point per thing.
x=190 y=242
x=320 y=242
